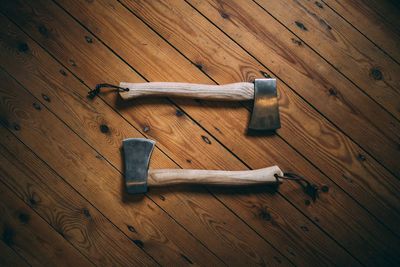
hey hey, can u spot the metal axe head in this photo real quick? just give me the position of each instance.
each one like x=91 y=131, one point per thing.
x=137 y=153
x=265 y=115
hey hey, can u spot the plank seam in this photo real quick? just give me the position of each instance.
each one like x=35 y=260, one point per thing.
x=333 y=66
x=175 y=105
x=44 y=220
x=182 y=109
x=16 y=252
x=30 y=149
x=295 y=92
x=198 y=125
x=333 y=124
x=151 y=199
x=206 y=129
x=348 y=22
x=358 y=203
x=139 y=130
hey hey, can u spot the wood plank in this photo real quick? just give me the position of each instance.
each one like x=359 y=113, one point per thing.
x=389 y=9
x=333 y=152
x=140 y=218
x=31 y=237
x=339 y=172
x=367 y=19
x=343 y=46
x=218 y=217
x=310 y=76
x=300 y=198
x=192 y=205
x=64 y=209
x=278 y=204
x=9 y=257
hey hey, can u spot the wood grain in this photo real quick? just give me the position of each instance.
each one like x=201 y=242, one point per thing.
x=311 y=134
x=82 y=9
x=275 y=220
x=296 y=248
x=9 y=257
x=66 y=211
x=218 y=217
x=344 y=47
x=162 y=177
x=212 y=207
x=310 y=76
x=328 y=148
x=227 y=92
x=22 y=230
x=101 y=184
x=365 y=17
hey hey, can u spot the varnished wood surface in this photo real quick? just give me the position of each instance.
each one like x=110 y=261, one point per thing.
x=61 y=171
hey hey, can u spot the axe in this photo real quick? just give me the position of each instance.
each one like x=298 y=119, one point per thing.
x=265 y=115
x=137 y=153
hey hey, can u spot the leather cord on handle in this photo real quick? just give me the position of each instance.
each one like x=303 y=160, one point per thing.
x=93 y=93
x=310 y=189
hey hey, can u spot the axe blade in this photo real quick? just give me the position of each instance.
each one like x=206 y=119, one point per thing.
x=265 y=115
x=137 y=153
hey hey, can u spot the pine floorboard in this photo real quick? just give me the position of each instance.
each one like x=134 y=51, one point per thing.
x=62 y=195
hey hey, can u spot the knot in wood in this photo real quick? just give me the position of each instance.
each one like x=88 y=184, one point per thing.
x=179 y=113
x=318 y=4
x=104 y=128
x=43 y=31
x=37 y=106
x=8 y=235
x=89 y=39
x=324 y=188
x=266 y=75
x=63 y=72
x=376 y=74
x=332 y=92
x=23 y=47
x=86 y=212
x=301 y=26
x=361 y=157
x=46 y=97
x=131 y=229
x=205 y=139
x=23 y=217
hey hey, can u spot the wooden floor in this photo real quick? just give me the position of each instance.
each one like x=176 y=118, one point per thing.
x=62 y=195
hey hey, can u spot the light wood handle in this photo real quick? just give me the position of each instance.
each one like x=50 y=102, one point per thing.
x=158 y=177
x=228 y=92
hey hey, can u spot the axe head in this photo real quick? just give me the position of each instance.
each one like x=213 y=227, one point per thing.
x=137 y=153
x=265 y=115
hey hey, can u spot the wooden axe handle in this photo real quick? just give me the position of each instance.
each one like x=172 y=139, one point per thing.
x=228 y=92
x=158 y=177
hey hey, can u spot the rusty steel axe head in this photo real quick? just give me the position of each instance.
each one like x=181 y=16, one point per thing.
x=137 y=153
x=265 y=115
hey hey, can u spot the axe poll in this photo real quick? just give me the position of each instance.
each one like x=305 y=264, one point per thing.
x=265 y=114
